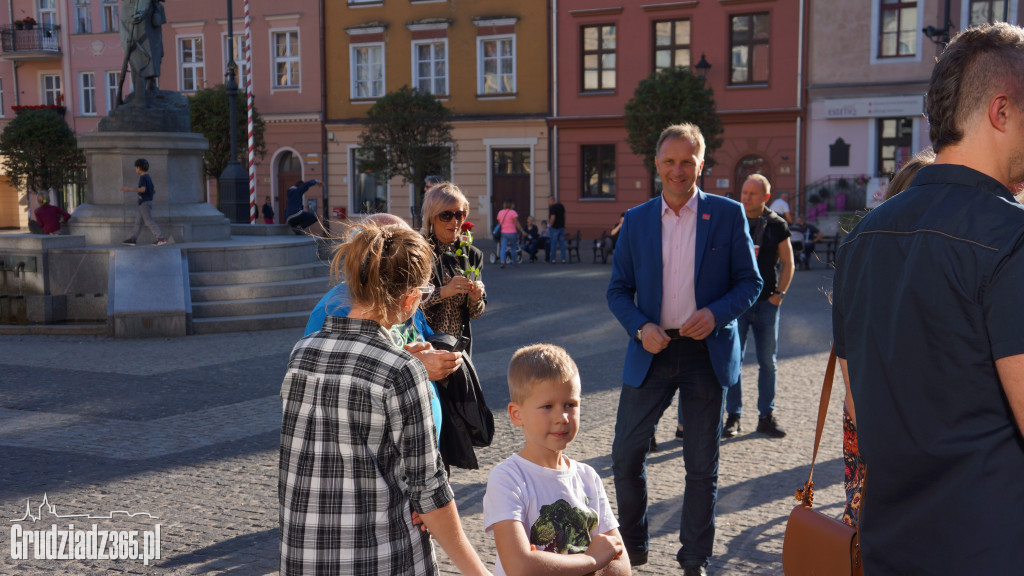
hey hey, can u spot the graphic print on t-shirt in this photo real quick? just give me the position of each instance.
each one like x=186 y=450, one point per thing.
x=563 y=529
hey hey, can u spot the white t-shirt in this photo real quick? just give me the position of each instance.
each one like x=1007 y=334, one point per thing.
x=780 y=206
x=572 y=502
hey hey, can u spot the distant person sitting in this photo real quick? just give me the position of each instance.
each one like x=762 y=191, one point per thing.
x=48 y=217
x=532 y=238
x=781 y=207
x=809 y=236
x=296 y=217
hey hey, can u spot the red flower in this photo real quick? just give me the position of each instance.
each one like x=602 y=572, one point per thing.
x=467 y=226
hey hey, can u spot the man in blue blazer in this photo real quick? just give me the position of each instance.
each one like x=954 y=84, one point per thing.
x=683 y=271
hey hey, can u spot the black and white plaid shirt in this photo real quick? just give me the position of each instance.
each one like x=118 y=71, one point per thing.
x=357 y=456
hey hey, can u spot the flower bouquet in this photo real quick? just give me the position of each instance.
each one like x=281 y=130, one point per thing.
x=462 y=252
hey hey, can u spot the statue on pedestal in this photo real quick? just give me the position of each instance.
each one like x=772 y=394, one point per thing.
x=142 y=42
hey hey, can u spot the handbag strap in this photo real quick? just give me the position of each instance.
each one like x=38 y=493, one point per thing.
x=806 y=494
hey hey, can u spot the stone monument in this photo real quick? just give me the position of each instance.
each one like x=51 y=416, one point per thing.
x=152 y=124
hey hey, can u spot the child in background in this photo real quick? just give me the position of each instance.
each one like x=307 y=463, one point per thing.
x=549 y=514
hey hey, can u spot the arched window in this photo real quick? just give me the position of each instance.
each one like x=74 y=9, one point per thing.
x=745 y=167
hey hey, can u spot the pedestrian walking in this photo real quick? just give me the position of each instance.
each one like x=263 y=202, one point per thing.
x=144 y=214
x=556 y=231
x=678 y=298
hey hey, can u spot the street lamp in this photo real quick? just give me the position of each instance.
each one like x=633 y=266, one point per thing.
x=234 y=182
x=703 y=66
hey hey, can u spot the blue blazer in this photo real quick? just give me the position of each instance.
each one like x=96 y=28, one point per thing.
x=727 y=281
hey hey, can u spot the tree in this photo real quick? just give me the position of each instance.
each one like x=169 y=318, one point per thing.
x=210 y=116
x=670 y=96
x=409 y=134
x=40 y=150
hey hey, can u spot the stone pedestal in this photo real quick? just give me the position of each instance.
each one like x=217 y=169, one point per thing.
x=176 y=166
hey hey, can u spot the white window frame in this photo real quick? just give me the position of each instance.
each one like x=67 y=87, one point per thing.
x=353 y=73
x=965 y=13
x=87 y=93
x=111 y=14
x=47 y=12
x=292 y=60
x=57 y=90
x=876 y=23
x=480 y=80
x=416 y=64
x=83 y=17
x=198 y=67
x=110 y=79
x=239 y=59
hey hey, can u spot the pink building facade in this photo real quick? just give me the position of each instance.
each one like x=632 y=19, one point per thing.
x=605 y=48
x=73 y=57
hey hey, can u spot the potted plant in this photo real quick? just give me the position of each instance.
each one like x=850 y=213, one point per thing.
x=19 y=25
x=29 y=22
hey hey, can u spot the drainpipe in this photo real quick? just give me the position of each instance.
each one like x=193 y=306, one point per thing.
x=799 y=104
x=553 y=133
x=323 y=114
x=14 y=63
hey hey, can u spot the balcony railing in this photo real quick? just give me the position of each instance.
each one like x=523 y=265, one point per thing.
x=39 y=40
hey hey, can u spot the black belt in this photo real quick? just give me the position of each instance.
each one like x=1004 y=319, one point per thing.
x=674 y=334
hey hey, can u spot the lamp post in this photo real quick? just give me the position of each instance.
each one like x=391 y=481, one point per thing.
x=702 y=68
x=234 y=185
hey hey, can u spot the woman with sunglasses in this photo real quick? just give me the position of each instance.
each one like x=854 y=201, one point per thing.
x=358 y=456
x=457 y=299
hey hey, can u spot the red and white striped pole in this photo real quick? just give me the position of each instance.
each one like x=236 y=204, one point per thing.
x=248 y=102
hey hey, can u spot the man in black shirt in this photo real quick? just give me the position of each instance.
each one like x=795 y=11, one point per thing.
x=771 y=245
x=556 y=230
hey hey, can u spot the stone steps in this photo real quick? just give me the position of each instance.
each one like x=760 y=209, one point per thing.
x=267 y=286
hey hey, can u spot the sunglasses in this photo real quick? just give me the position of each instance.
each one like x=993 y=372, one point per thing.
x=459 y=215
x=425 y=291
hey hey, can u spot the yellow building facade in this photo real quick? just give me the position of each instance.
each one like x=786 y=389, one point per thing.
x=487 y=61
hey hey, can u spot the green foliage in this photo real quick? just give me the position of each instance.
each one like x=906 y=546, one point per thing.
x=40 y=150
x=210 y=117
x=671 y=96
x=409 y=133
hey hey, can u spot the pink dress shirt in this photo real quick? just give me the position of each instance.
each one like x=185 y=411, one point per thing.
x=678 y=252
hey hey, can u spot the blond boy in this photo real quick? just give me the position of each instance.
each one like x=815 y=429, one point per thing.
x=549 y=514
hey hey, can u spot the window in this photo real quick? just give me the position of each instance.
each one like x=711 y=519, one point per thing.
x=497 y=65
x=898 y=35
x=367 y=70
x=238 y=55
x=191 y=57
x=599 y=171
x=430 y=66
x=599 y=57
x=112 y=79
x=286 y=59
x=87 y=93
x=988 y=12
x=53 y=93
x=749 y=36
x=511 y=161
x=369 y=189
x=47 y=13
x=895 y=140
x=111 y=19
x=671 y=44
x=83 y=21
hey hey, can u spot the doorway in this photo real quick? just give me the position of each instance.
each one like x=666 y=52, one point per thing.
x=289 y=170
x=510 y=180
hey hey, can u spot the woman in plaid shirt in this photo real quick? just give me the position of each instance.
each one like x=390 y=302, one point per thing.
x=358 y=456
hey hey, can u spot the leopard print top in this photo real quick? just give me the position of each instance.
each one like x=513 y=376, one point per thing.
x=449 y=315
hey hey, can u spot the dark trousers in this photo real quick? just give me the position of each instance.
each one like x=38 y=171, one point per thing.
x=302 y=220
x=684 y=366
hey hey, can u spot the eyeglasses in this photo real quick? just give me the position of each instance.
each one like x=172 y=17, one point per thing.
x=459 y=215
x=426 y=291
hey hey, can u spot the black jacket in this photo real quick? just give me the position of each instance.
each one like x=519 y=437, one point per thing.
x=466 y=421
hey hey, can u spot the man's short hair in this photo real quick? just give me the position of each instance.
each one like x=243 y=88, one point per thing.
x=684 y=131
x=976 y=65
x=760 y=179
x=538 y=364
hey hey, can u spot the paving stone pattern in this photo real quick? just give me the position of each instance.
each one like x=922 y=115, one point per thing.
x=187 y=430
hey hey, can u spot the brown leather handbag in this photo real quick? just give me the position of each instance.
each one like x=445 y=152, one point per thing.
x=816 y=544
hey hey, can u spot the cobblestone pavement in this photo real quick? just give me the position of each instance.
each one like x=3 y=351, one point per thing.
x=186 y=430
